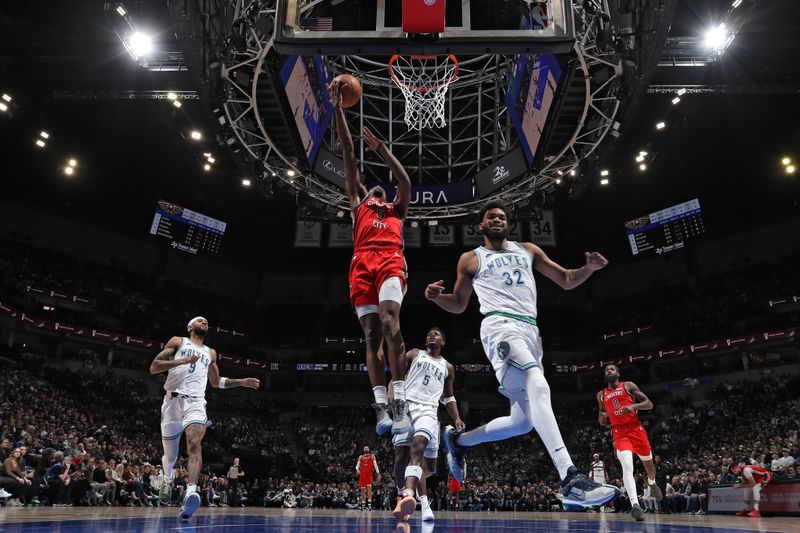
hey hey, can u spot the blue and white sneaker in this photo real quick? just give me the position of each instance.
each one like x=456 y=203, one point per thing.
x=455 y=454
x=384 y=419
x=190 y=505
x=579 y=492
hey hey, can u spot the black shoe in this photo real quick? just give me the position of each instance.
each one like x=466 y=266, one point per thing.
x=384 y=422
x=637 y=513
x=402 y=419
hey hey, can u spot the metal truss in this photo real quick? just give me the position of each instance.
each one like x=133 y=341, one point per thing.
x=478 y=130
x=93 y=94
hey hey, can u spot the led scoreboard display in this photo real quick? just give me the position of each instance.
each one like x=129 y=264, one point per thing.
x=187 y=230
x=666 y=230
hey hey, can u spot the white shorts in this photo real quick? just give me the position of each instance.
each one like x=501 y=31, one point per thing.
x=513 y=347
x=179 y=412
x=424 y=421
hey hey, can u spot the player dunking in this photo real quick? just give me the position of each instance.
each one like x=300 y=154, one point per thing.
x=501 y=272
x=378 y=269
x=365 y=466
x=618 y=404
x=189 y=364
x=754 y=479
x=429 y=381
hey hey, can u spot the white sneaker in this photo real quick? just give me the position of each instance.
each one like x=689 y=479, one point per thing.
x=4 y=494
x=427 y=515
x=190 y=505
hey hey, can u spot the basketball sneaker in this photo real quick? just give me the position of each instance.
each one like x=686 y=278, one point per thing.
x=190 y=505
x=742 y=512
x=637 y=513
x=165 y=492
x=455 y=454
x=402 y=418
x=579 y=492
x=427 y=514
x=754 y=514
x=384 y=423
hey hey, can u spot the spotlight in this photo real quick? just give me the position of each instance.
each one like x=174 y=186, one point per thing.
x=639 y=158
x=572 y=172
x=736 y=3
x=72 y=163
x=661 y=125
x=642 y=153
x=604 y=172
x=246 y=182
x=206 y=154
x=69 y=171
x=6 y=97
x=643 y=167
x=40 y=143
x=676 y=100
x=560 y=173
x=121 y=11
x=212 y=160
x=44 y=135
x=207 y=167
x=786 y=161
x=604 y=181
x=3 y=107
x=290 y=173
x=196 y=135
x=177 y=104
x=172 y=96
x=141 y=44
x=681 y=92
x=558 y=181
x=790 y=169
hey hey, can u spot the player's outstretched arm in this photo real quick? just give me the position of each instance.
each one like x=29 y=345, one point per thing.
x=563 y=277
x=403 y=181
x=455 y=302
x=164 y=360
x=602 y=416
x=352 y=178
x=449 y=400
x=228 y=383
x=643 y=403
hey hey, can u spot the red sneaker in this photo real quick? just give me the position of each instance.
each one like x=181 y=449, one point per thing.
x=754 y=514
x=743 y=512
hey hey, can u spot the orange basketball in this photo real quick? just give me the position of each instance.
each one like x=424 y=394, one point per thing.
x=351 y=89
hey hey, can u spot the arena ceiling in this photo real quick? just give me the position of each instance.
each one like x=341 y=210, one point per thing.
x=67 y=71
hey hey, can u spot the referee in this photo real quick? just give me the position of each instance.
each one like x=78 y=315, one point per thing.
x=234 y=473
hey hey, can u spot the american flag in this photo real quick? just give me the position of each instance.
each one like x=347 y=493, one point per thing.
x=317 y=24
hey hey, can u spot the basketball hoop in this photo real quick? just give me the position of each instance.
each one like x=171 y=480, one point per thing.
x=424 y=81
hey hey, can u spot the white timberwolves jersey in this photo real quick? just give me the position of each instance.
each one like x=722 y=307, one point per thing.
x=190 y=379
x=599 y=472
x=504 y=281
x=425 y=379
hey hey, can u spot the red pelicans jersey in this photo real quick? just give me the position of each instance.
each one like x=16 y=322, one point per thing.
x=614 y=400
x=377 y=224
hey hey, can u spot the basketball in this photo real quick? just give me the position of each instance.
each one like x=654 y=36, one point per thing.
x=351 y=89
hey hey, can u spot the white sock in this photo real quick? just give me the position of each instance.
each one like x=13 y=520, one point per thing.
x=399 y=389
x=380 y=394
x=423 y=500
x=626 y=460
x=190 y=488
x=531 y=410
x=170 y=457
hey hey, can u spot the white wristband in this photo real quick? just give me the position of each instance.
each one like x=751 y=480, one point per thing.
x=222 y=382
x=445 y=401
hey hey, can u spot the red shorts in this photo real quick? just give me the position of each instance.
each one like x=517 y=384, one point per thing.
x=631 y=437
x=455 y=486
x=370 y=268
x=364 y=481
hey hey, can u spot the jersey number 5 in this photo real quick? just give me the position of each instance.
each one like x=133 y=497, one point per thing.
x=426 y=379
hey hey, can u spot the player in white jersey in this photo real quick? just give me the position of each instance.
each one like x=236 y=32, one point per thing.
x=501 y=272
x=429 y=381
x=190 y=365
x=598 y=470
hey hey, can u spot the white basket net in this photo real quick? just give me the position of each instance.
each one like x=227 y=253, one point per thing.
x=424 y=81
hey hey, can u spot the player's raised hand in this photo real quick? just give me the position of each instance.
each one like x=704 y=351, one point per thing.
x=189 y=360
x=460 y=425
x=595 y=261
x=335 y=92
x=372 y=142
x=433 y=290
x=251 y=383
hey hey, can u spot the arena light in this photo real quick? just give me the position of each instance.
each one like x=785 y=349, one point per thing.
x=69 y=171
x=573 y=172
x=72 y=163
x=661 y=125
x=604 y=181
x=558 y=181
x=340 y=214
x=246 y=182
x=786 y=161
x=207 y=167
x=642 y=153
x=790 y=169
x=681 y=92
x=172 y=96
x=44 y=135
x=291 y=173
x=643 y=167
x=121 y=11
x=6 y=97
x=40 y=143
x=177 y=104
x=676 y=100
x=604 y=172
x=141 y=44
x=196 y=135
x=639 y=158
x=736 y=3
x=211 y=160
x=3 y=107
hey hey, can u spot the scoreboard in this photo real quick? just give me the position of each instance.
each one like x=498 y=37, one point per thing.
x=666 y=230
x=187 y=230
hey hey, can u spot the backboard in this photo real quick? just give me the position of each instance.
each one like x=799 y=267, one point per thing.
x=375 y=27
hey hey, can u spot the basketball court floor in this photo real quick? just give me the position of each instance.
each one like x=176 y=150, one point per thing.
x=247 y=520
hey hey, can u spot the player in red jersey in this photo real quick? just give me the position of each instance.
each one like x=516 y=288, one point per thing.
x=754 y=478
x=378 y=269
x=618 y=405
x=364 y=467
